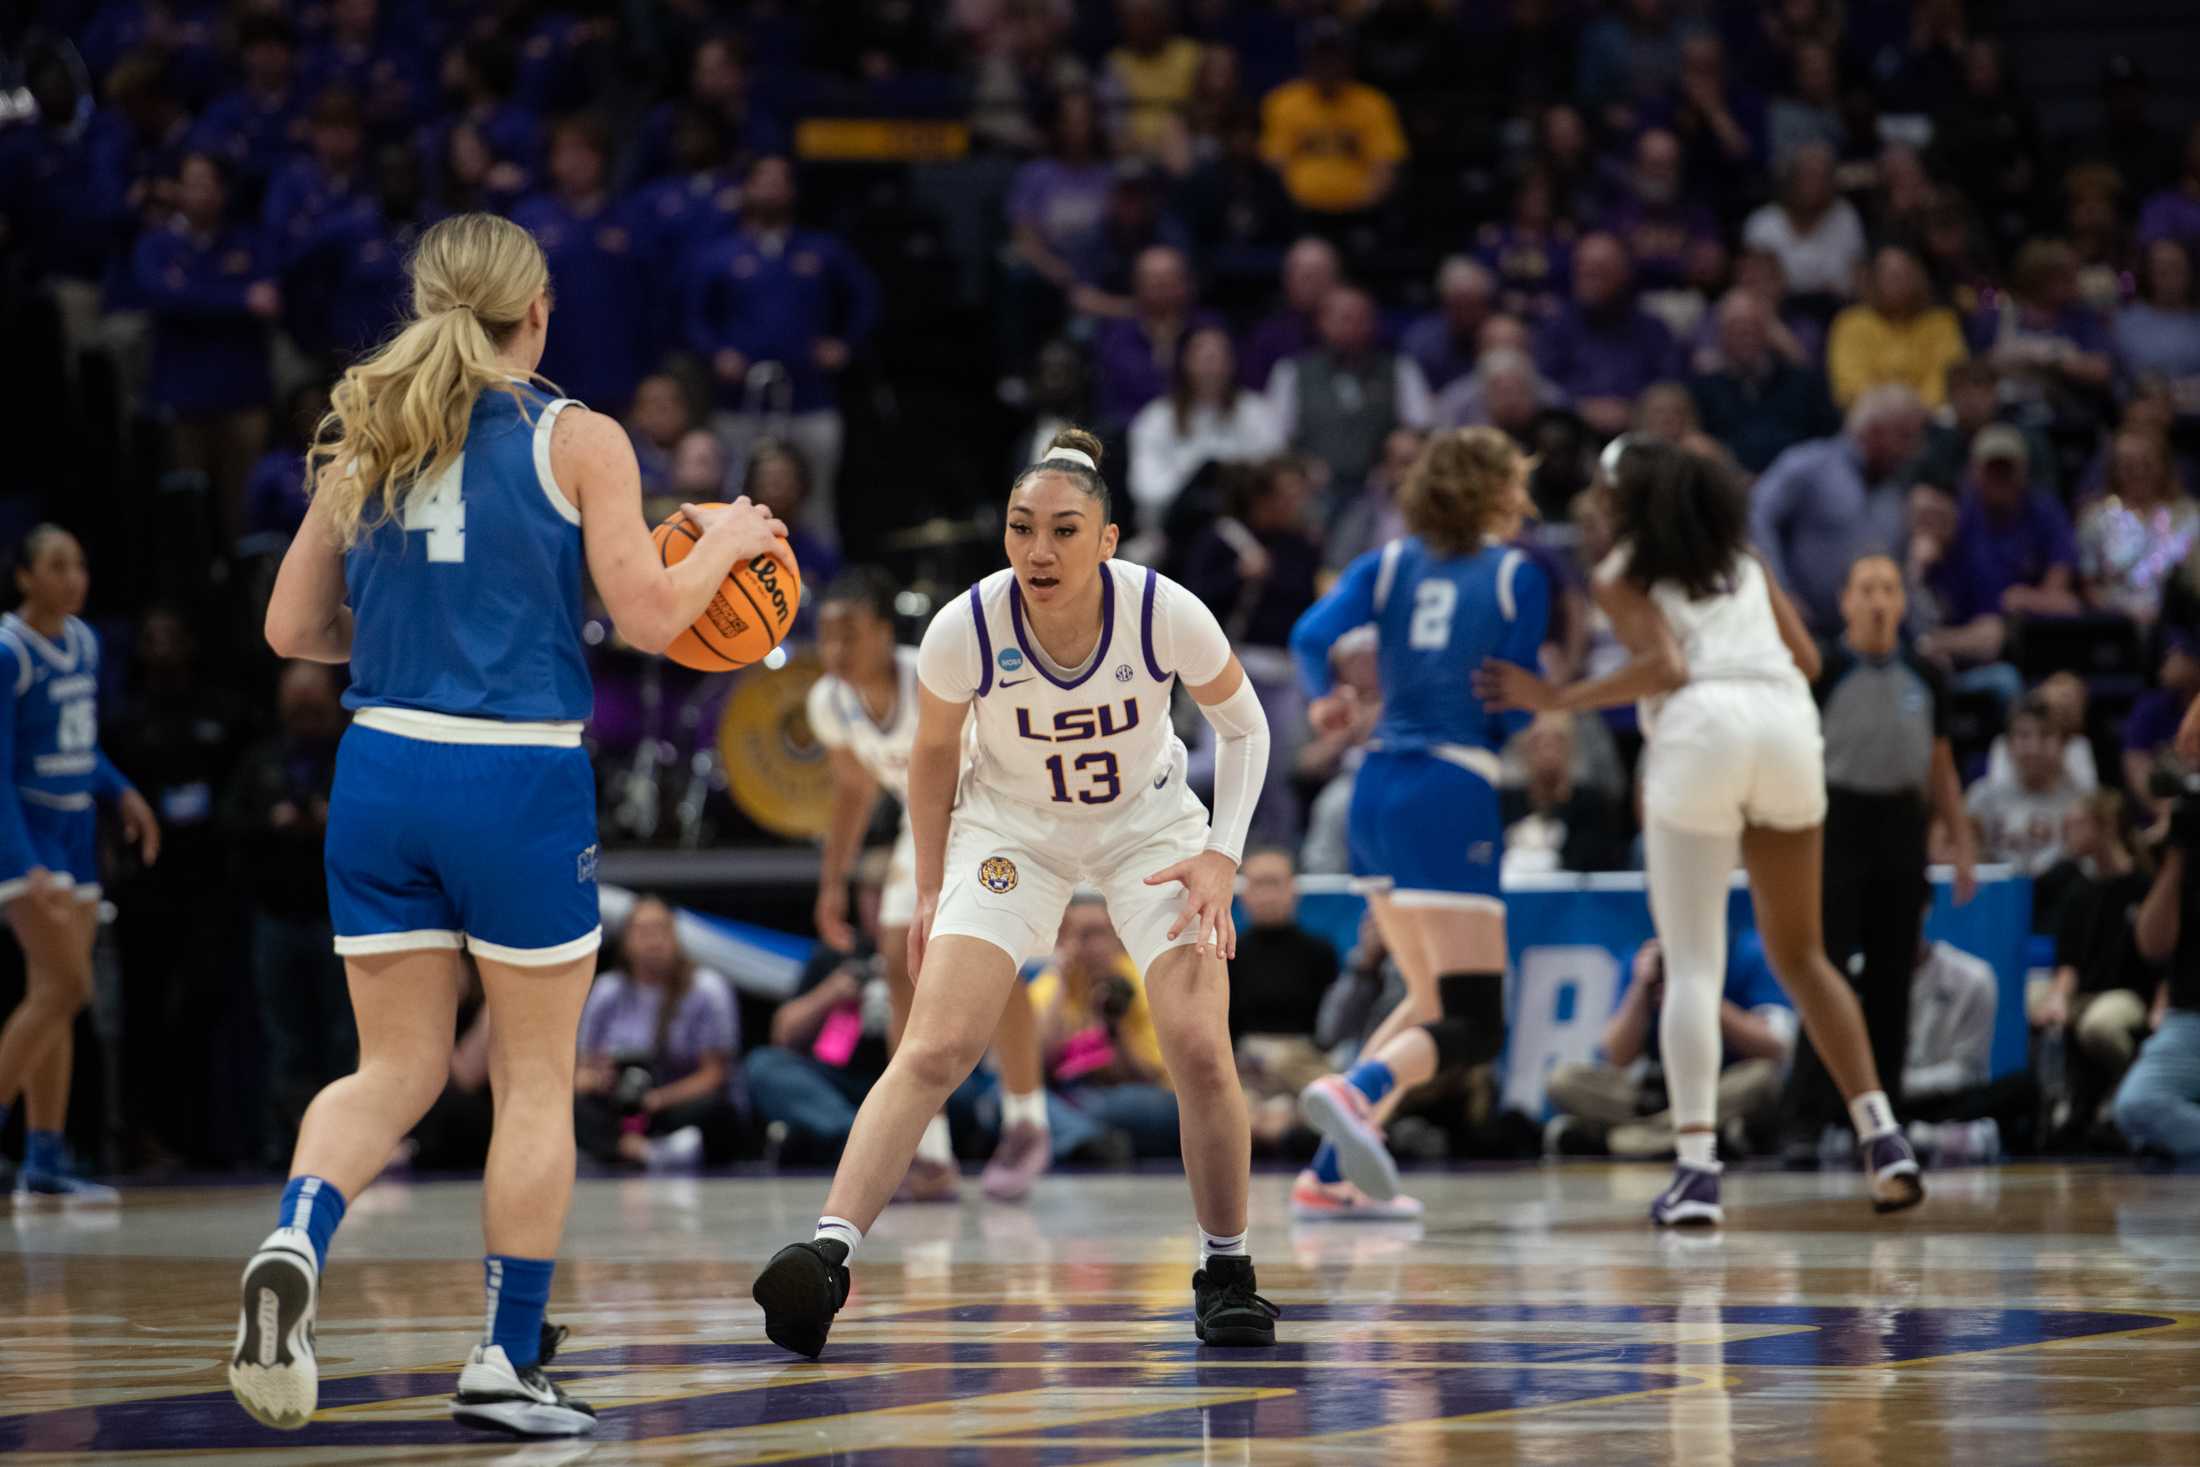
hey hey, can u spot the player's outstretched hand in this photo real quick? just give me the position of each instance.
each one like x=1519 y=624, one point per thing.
x=928 y=906
x=831 y=916
x=1332 y=713
x=1505 y=686
x=139 y=828
x=753 y=529
x=1209 y=880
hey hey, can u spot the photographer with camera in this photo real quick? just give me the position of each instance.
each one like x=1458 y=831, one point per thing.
x=1108 y=1086
x=1619 y=1103
x=656 y=1084
x=2158 y=1104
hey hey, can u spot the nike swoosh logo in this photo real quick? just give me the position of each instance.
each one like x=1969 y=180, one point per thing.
x=1014 y=683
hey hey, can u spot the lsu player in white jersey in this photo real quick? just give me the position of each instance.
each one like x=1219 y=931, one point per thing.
x=864 y=711
x=1733 y=769
x=1066 y=662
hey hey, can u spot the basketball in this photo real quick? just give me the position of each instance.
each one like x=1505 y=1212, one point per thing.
x=749 y=616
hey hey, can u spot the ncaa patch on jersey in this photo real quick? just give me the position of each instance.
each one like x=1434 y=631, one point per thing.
x=1010 y=659
x=997 y=874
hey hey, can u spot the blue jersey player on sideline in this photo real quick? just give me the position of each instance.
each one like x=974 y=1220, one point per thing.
x=49 y=847
x=441 y=557
x=1425 y=832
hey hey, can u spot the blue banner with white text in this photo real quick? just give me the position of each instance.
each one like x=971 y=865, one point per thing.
x=1573 y=936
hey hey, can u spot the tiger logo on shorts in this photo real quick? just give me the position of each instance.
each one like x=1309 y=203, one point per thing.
x=997 y=874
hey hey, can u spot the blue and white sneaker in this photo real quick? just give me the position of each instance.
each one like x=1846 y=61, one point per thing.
x=272 y=1370
x=1334 y=1107
x=1890 y=1166
x=1693 y=1199
x=59 y=1187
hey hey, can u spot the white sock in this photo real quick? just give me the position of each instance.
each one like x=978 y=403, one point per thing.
x=1028 y=1110
x=1211 y=1246
x=841 y=1231
x=1871 y=1114
x=938 y=1145
x=1699 y=1149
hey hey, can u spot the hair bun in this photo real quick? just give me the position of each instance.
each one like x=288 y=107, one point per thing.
x=1077 y=440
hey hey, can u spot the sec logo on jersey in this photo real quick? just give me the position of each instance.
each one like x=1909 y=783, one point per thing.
x=997 y=874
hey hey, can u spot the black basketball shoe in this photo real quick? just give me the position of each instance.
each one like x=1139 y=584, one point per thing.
x=1226 y=1311
x=801 y=1289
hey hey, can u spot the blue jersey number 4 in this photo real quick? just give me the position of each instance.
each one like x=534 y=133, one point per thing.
x=440 y=512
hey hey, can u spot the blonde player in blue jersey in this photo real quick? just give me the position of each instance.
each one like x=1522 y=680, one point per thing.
x=454 y=503
x=1425 y=833
x=1065 y=663
x=49 y=843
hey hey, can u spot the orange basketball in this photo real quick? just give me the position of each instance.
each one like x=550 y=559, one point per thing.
x=750 y=615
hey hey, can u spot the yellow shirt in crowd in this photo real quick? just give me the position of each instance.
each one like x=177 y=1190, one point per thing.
x=1866 y=350
x=1135 y=1034
x=1152 y=90
x=1330 y=148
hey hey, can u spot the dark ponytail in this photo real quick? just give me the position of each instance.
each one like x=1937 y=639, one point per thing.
x=1684 y=517
x=1077 y=440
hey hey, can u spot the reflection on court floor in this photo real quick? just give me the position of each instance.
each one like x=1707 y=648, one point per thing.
x=2029 y=1315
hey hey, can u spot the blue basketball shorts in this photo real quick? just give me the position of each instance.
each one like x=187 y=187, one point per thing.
x=490 y=847
x=1426 y=831
x=63 y=840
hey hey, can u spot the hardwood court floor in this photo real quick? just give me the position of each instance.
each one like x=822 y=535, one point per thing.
x=2030 y=1315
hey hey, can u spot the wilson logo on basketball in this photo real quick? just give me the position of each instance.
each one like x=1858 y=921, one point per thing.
x=767 y=580
x=723 y=617
x=997 y=874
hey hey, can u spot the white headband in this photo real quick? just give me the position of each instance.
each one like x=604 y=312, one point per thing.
x=1071 y=456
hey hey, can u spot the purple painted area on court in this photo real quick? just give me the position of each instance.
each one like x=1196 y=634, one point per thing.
x=1402 y=1380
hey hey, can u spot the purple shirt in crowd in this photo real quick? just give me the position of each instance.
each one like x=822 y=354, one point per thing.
x=1129 y=371
x=2174 y=213
x=1062 y=202
x=1992 y=553
x=1614 y=353
x=620 y=1022
x=1274 y=338
x=1660 y=237
x=2154 y=720
x=1443 y=357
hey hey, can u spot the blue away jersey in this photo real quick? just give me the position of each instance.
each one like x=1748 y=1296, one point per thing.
x=49 y=729
x=1437 y=619
x=471 y=604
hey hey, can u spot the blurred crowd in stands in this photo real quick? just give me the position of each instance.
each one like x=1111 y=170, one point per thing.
x=855 y=257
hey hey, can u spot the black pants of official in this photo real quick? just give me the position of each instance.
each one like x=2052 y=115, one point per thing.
x=1875 y=891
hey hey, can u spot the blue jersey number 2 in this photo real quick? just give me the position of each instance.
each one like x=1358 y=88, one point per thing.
x=1433 y=602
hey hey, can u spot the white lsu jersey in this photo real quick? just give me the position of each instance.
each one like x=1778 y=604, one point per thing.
x=1074 y=742
x=841 y=721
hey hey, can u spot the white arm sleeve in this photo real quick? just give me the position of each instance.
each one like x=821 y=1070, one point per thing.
x=1188 y=640
x=947 y=658
x=1241 y=767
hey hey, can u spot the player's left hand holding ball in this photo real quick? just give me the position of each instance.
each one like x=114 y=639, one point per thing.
x=1503 y=686
x=139 y=828
x=755 y=529
x=1210 y=884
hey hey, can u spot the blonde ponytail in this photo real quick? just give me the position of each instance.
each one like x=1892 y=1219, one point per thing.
x=399 y=415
